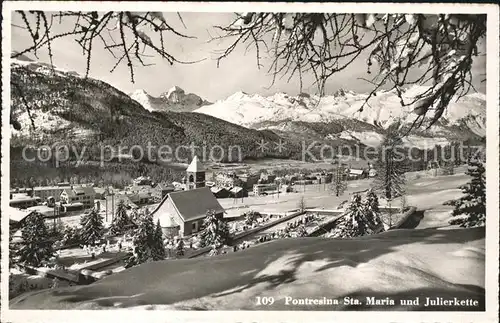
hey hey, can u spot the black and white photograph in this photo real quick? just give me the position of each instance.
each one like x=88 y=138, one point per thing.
x=250 y=157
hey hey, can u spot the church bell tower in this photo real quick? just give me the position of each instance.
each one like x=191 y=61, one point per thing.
x=195 y=175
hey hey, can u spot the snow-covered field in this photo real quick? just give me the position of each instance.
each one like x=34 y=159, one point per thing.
x=397 y=264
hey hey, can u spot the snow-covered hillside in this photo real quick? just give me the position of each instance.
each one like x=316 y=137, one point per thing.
x=385 y=108
x=399 y=264
x=175 y=99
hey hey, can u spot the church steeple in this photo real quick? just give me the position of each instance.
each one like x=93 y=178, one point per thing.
x=195 y=174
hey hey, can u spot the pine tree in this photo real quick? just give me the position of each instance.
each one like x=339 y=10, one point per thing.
x=179 y=250
x=338 y=185
x=390 y=166
x=353 y=223
x=121 y=219
x=372 y=211
x=215 y=231
x=144 y=240
x=36 y=247
x=470 y=210
x=92 y=227
x=71 y=235
x=158 y=249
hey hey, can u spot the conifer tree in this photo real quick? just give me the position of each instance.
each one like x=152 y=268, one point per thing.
x=470 y=209
x=353 y=223
x=144 y=240
x=36 y=247
x=158 y=249
x=339 y=184
x=215 y=231
x=92 y=227
x=391 y=165
x=372 y=211
x=71 y=235
x=121 y=219
x=179 y=250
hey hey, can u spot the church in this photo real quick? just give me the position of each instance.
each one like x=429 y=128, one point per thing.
x=181 y=213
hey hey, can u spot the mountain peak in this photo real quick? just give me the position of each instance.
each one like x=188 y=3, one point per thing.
x=175 y=99
x=175 y=88
x=141 y=92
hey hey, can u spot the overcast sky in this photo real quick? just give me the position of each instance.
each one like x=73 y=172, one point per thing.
x=238 y=72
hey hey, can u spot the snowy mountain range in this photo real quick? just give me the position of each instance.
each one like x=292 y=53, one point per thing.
x=240 y=117
x=284 y=113
x=175 y=99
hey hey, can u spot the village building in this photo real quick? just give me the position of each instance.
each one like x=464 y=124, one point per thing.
x=46 y=211
x=249 y=180
x=44 y=192
x=19 y=190
x=100 y=193
x=140 y=197
x=357 y=173
x=264 y=189
x=139 y=188
x=17 y=217
x=73 y=208
x=80 y=194
x=239 y=192
x=161 y=190
x=181 y=213
x=266 y=178
x=23 y=201
x=187 y=210
x=220 y=192
x=142 y=180
x=227 y=180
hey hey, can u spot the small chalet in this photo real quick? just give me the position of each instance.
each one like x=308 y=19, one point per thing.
x=182 y=213
x=356 y=173
x=220 y=192
x=17 y=217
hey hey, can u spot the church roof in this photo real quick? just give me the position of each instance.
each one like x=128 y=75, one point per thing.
x=191 y=204
x=195 y=166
